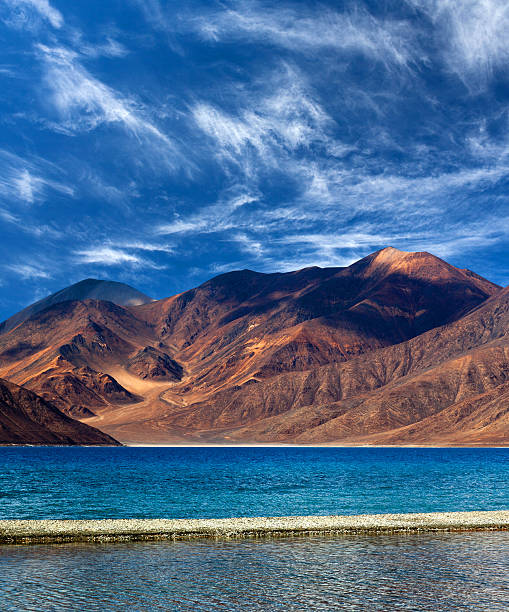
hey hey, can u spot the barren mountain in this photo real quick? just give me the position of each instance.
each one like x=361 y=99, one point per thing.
x=244 y=324
x=25 y=418
x=446 y=386
x=64 y=353
x=384 y=351
x=90 y=288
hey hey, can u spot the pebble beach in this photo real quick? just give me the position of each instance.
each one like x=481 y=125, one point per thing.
x=118 y=530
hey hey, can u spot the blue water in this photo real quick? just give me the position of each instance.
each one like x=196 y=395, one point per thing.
x=50 y=482
x=427 y=572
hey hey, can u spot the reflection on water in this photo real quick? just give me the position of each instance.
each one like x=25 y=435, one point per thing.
x=423 y=572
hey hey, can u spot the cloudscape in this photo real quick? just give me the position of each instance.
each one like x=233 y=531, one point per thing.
x=161 y=143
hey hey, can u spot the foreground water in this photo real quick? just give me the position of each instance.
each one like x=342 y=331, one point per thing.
x=209 y=482
x=425 y=572
x=439 y=572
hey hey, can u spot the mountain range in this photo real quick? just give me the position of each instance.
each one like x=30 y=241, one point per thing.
x=398 y=348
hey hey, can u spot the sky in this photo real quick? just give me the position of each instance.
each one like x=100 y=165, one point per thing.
x=163 y=143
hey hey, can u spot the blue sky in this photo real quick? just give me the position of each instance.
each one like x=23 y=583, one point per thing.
x=161 y=143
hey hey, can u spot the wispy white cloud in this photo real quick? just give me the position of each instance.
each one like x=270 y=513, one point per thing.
x=266 y=125
x=30 y=226
x=254 y=248
x=95 y=182
x=31 y=187
x=8 y=217
x=329 y=243
x=214 y=218
x=150 y=247
x=28 y=271
x=27 y=181
x=330 y=249
x=472 y=35
x=109 y=48
x=195 y=224
x=305 y=30
x=42 y=7
x=84 y=103
x=329 y=185
x=106 y=255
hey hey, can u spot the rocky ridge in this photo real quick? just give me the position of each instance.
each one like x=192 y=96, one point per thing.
x=26 y=418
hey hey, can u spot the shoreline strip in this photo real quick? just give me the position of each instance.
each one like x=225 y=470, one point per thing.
x=128 y=530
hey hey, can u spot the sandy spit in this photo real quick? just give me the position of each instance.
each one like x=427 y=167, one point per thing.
x=118 y=530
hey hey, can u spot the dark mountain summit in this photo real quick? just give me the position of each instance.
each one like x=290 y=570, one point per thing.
x=91 y=288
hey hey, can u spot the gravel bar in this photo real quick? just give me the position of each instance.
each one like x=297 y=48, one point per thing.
x=118 y=530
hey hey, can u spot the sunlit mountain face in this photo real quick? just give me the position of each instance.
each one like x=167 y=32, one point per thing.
x=398 y=348
x=161 y=143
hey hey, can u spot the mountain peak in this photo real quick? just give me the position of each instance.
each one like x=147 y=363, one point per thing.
x=382 y=261
x=389 y=254
x=94 y=288
x=89 y=288
x=391 y=249
x=419 y=265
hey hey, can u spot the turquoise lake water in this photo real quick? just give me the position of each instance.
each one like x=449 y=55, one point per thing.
x=425 y=572
x=52 y=482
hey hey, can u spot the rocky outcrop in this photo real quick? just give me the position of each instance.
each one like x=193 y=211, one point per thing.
x=81 y=391
x=155 y=364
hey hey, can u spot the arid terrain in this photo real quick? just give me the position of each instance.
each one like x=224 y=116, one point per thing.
x=25 y=418
x=398 y=348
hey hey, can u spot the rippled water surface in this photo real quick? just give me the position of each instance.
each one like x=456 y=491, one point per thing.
x=436 y=573
x=223 y=482
x=425 y=572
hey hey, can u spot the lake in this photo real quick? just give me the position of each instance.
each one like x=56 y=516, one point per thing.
x=466 y=571
x=399 y=572
x=210 y=482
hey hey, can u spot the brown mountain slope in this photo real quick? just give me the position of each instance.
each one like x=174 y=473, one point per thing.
x=65 y=351
x=245 y=324
x=25 y=418
x=448 y=385
x=250 y=398
x=243 y=349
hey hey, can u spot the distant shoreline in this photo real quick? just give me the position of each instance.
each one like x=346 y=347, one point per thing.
x=125 y=530
x=252 y=445
x=283 y=445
